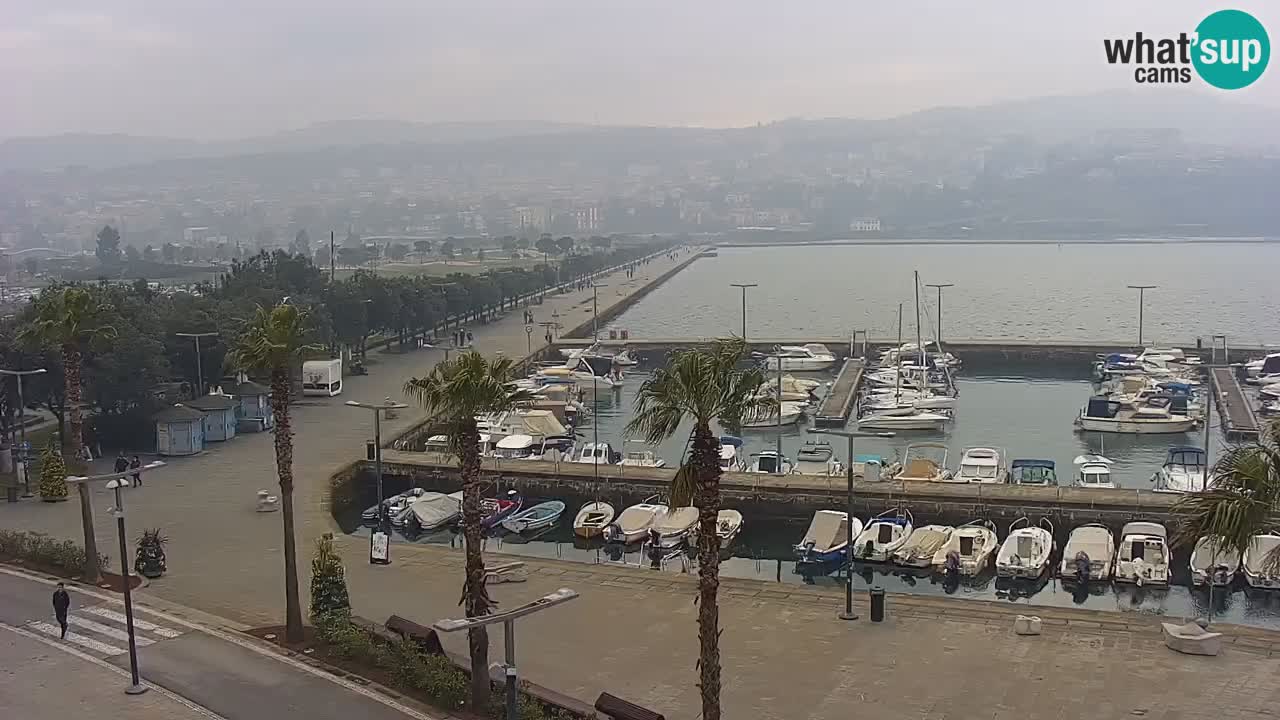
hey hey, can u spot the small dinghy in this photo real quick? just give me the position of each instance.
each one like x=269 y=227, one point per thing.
x=1143 y=555
x=728 y=525
x=592 y=519
x=634 y=522
x=1212 y=563
x=1256 y=570
x=884 y=534
x=827 y=537
x=1027 y=550
x=670 y=528
x=494 y=510
x=975 y=543
x=1088 y=554
x=922 y=545
x=539 y=516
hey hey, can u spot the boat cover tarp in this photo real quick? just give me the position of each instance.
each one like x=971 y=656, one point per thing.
x=826 y=531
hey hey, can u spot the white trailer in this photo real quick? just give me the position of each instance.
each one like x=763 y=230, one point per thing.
x=322 y=377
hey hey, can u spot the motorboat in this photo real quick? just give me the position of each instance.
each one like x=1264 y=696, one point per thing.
x=767 y=462
x=799 y=358
x=433 y=511
x=1093 y=471
x=1184 y=470
x=587 y=373
x=924 y=462
x=1027 y=550
x=438 y=444
x=816 y=457
x=516 y=447
x=729 y=446
x=827 y=538
x=1259 y=570
x=633 y=523
x=982 y=465
x=642 y=458
x=1028 y=471
x=542 y=515
x=392 y=506
x=594 y=453
x=1143 y=554
x=1104 y=414
x=905 y=402
x=919 y=549
x=537 y=424
x=1089 y=554
x=495 y=510
x=556 y=448
x=911 y=351
x=975 y=543
x=623 y=357
x=728 y=525
x=1270 y=391
x=670 y=528
x=1268 y=365
x=869 y=467
x=913 y=420
x=592 y=519
x=883 y=535
x=1270 y=408
x=791 y=414
x=793 y=389
x=1210 y=562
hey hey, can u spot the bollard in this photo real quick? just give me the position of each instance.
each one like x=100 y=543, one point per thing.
x=877 y=604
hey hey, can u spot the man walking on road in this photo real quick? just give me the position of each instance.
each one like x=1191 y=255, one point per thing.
x=61 y=603
x=135 y=464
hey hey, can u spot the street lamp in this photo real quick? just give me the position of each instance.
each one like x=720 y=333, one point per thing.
x=744 y=287
x=595 y=311
x=117 y=482
x=848 y=548
x=939 y=286
x=1142 y=294
x=199 y=364
x=379 y=547
x=22 y=425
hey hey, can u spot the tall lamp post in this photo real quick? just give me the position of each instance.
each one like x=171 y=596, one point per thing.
x=744 y=287
x=199 y=363
x=117 y=482
x=848 y=525
x=1142 y=296
x=595 y=311
x=378 y=546
x=22 y=454
x=939 y=286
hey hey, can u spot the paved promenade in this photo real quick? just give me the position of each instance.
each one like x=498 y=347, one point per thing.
x=633 y=633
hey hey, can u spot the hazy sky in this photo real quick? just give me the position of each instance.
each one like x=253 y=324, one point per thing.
x=227 y=68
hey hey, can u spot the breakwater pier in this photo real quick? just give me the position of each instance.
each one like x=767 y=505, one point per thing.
x=838 y=403
x=1239 y=422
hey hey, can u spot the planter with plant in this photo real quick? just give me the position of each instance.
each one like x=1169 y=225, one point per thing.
x=150 y=559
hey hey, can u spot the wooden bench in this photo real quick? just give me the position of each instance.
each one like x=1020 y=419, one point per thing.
x=425 y=637
x=619 y=709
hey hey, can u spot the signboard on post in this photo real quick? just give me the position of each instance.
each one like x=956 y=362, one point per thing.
x=379 y=548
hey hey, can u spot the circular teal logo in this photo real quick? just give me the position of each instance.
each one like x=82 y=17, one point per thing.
x=1232 y=49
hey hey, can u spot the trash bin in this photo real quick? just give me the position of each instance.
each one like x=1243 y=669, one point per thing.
x=877 y=604
x=11 y=493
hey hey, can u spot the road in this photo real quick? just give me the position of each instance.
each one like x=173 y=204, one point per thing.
x=197 y=672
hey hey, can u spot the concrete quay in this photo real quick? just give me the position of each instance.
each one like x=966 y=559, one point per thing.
x=838 y=403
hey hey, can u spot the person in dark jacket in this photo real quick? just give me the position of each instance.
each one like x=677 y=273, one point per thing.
x=122 y=463
x=61 y=604
x=134 y=465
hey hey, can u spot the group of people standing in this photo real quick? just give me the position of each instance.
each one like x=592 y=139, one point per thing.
x=463 y=338
x=123 y=464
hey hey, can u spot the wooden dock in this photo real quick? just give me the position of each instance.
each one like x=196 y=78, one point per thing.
x=1238 y=419
x=835 y=408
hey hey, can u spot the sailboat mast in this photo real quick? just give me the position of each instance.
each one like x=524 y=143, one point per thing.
x=919 y=334
x=897 y=382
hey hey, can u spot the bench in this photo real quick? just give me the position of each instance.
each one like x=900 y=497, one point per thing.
x=619 y=709
x=425 y=637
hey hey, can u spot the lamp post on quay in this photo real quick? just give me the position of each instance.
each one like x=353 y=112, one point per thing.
x=117 y=482
x=848 y=524
x=744 y=287
x=939 y=287
x=1142 y=299
x=21 y=452
x=380 y=540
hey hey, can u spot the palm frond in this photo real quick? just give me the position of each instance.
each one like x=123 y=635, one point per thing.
x=466 y=386
x=1243 y=500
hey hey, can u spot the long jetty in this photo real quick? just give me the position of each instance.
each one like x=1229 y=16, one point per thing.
x=1238 y=419
x=835 y=408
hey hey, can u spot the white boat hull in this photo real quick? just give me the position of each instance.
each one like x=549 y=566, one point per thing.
x=1137 y=427
x=799 y=364
x=900 y=422
x=788 y=418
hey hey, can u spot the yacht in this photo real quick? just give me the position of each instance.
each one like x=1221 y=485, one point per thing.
x=975 y=543
x=883 y=535
x=767 y=462
x=1027 y=471
x=516 y=447
x=1210 y=562
x=815 y=457
x=913 y=420
x=827 y=538
x=1103 y=414
x=1090 y=549
x=1143 y=554
x=1093 y=471
x=1269 y=365
x=924 y=462
x=799 y=358
x=642 y=458
x=1184 y=471
x=906 y=401
x=982 y=465
x=1258 y=568
x=600 y=453
x=1026 y=551
x=791 y=414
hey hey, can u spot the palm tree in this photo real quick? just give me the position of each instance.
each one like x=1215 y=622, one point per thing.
x=273 y=341
x=455 y=392
x=71 y=319
x=1243 y=500
x=705 y=385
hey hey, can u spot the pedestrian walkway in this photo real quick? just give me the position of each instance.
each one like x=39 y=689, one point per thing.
x=103 y=632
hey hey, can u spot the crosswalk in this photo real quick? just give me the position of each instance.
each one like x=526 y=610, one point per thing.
x=103 y=631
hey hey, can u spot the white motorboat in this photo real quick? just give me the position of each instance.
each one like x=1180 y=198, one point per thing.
x=911 y=351
x=1090 y=549
x=982 y=465
x=1103 y=414
x=1143 y=554
x=592 y=519
x=600 y=453
x=1184 y=471
x=881 y=402
x=1093 y=471
x=800 y=358
x=827 y=538
x=516 y=447
x=670 y=528
x=1259 y=570
x=922 y=545
x=1029 y=471
x=1268 y=365
x=767 y=462
x=974 y=543
x=432 y=511
x=914 y=420
x=793 y=389
x=816 y=457
x=1026 y=552
x=728 y=525
x=729 y=453
x=791 y=414
x=883 y=535
x=1212 y=562
x=634 y=522
x=642 y=458
x=537 y=424
x=1270 y=391
x=924 y=462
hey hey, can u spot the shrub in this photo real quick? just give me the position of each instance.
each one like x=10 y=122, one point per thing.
x=53 y=473
x=328 y=581
x=40 y=549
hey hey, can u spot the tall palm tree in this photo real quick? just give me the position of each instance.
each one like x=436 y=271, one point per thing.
x=72 y=319
x=455 y=392
x=1243 y=500
x=705 y=385
x=274 y=341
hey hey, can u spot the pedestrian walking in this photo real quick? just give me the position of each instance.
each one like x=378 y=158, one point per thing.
x=61 y=604
x=122 y=463
x=135 y=464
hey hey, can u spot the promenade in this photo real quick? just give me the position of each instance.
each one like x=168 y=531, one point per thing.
x=632 y=631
